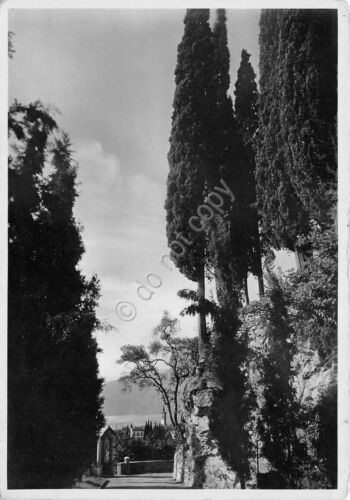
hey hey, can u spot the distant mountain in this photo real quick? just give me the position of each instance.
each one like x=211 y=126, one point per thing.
x=118 y=402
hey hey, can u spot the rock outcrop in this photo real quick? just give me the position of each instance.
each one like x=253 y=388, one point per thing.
x=199 y=461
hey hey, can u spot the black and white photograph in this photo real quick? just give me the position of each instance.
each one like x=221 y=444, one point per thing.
x=175 y=212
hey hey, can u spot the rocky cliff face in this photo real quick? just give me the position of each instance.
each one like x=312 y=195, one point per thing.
x=199 y=462
x=312 y=374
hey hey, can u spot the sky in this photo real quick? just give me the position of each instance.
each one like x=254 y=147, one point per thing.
x=108 y=75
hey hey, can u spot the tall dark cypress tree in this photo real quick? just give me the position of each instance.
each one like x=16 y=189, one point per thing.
x=31 y=126
x=54 y=390
x=71 y=300
x=228 y=244
x=296 y=146
x=189 y=158
x=282 y=215
x=280 y=409
x=309 y=109
x=246 y=98
x=246 y=109
x=228 y=248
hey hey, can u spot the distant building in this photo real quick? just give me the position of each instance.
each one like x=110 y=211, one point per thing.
x=137 y=433
x=106 y=450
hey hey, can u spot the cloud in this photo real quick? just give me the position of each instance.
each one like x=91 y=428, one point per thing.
x=99 y=177
x=111 y=200
x=124 y=236
x=111 y=73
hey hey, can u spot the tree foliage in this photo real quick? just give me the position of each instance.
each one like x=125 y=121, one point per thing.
x=189 y=156
x=293 y=357
x=296 y=190
x=165 y=365
x=158 y=444
x=280 y=409
x=246 y=98
x=228 y=240
x=326 y=441
x=192 y=119
x=296 y=143
x=277 y=154
x=234 y=404
x=246 y=109
x=312 y=294
x=52 y=365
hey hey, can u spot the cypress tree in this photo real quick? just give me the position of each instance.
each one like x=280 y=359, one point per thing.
x=30 y=126
x=246 y=98
x=280 y=410
x=308 y=69
x=246 y=109
x=296 y=144
x=189 y=158
x=72 y=369
x=282 y=215
x=228 y=245
x=54 y=390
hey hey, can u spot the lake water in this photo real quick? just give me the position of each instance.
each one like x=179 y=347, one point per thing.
x=122 y=420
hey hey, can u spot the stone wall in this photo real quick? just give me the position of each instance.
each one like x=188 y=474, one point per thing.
x=199 y=461
x=142 y=467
